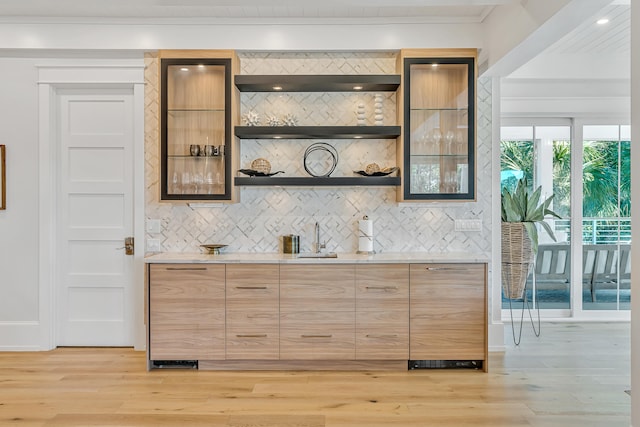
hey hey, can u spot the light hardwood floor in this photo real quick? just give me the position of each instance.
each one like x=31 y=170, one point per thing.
x=573 y=375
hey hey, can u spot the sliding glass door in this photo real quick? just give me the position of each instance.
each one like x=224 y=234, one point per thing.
x=586 y=271
x=606 y=217
x=542 y=155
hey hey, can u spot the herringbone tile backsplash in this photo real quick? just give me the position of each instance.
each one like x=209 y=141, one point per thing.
x=264 y=213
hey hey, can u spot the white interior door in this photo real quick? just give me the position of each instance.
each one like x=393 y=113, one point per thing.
x=95 y=215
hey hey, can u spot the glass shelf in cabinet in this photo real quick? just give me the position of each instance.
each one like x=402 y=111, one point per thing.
x=195 y=110
x=441 y=109
x=464 y=155
x=187 y=156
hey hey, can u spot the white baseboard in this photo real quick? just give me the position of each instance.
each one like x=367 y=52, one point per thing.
x=21 y=336
x=496 y=337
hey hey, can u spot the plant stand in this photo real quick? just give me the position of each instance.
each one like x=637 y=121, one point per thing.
x=527 y=303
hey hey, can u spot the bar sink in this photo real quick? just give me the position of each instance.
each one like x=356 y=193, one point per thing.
x=318 y=255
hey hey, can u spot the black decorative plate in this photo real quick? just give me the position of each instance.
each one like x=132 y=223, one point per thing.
x=252 y=172
x=384 y=172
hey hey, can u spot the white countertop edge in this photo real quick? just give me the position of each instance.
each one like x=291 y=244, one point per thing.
x=343 y=258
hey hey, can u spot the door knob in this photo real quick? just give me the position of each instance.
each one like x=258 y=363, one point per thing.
x=129 y=246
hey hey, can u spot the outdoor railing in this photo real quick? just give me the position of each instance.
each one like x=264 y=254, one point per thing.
x=596 y=231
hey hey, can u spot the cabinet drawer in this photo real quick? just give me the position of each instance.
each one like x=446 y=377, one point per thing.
x=447 y=274
x=186 y=342
x=253 y=319
x=243 y=277
x=317 y=287
x=382 y=335
x=186 y=311
x=448 y=312
x=382 y=287
x=317 y=335
x=248 y=296
x=181 y=284
x=253 y=343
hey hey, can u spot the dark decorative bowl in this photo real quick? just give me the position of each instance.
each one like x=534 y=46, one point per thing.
x=383 y=172
x=252 y=172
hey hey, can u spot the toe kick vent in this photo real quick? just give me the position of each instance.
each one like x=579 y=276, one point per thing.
x=174 y=364
x=445 y=364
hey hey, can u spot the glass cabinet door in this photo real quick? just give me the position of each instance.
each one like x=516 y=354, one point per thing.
x=439 y=128
x=195 y=129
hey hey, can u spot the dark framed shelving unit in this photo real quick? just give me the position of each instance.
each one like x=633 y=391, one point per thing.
x=439 y=128
x=318 y=83
x=195 y=110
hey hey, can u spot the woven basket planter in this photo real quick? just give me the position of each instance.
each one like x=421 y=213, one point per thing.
x=517 y=259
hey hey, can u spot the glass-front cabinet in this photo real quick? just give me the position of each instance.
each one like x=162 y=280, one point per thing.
x=439 y=128
x=195 y=123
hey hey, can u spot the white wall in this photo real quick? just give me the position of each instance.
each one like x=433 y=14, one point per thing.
x=19 y=222
x=211 y=34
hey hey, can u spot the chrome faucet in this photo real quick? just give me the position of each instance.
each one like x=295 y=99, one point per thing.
x=317 y=246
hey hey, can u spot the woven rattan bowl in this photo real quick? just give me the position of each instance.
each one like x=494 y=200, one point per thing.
x=261 y=165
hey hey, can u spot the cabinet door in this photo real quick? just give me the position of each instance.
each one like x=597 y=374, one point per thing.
x=382 y=311
x=448 y=312
x=252 y=311
x=317 y=312
x=186 y=312
x=439 y=133
x=195 y=129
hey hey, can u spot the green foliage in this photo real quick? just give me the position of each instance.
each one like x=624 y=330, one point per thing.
x=562 y=178
x=606 y=175
x=606 y=179
x=517 y=156
x=521 y=205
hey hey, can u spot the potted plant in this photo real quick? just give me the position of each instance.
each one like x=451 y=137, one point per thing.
x=521 y=211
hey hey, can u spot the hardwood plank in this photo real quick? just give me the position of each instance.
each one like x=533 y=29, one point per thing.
x=575 y=374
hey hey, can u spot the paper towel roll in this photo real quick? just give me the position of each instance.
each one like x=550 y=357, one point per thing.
x=365 y=236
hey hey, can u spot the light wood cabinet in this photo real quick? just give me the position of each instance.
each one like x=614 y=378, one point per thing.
x=382 y=311
x=448 y=312
x=186 y=311
x=253 y=325
x=365 y=316
x=317 y=312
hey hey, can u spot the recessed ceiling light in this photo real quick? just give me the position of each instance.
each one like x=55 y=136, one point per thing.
x=602 y=21
x=277 y=88
x=434 y=65
x=200 y=65
x=184 y=69
x=357 y=88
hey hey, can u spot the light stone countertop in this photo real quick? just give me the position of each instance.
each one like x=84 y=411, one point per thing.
x=343 y=258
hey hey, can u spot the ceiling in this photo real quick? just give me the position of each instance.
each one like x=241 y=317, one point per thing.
x=589 y=37
x=429 y=10
x=586 y=39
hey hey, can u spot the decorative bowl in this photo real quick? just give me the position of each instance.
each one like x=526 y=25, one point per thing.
x=213 y=249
